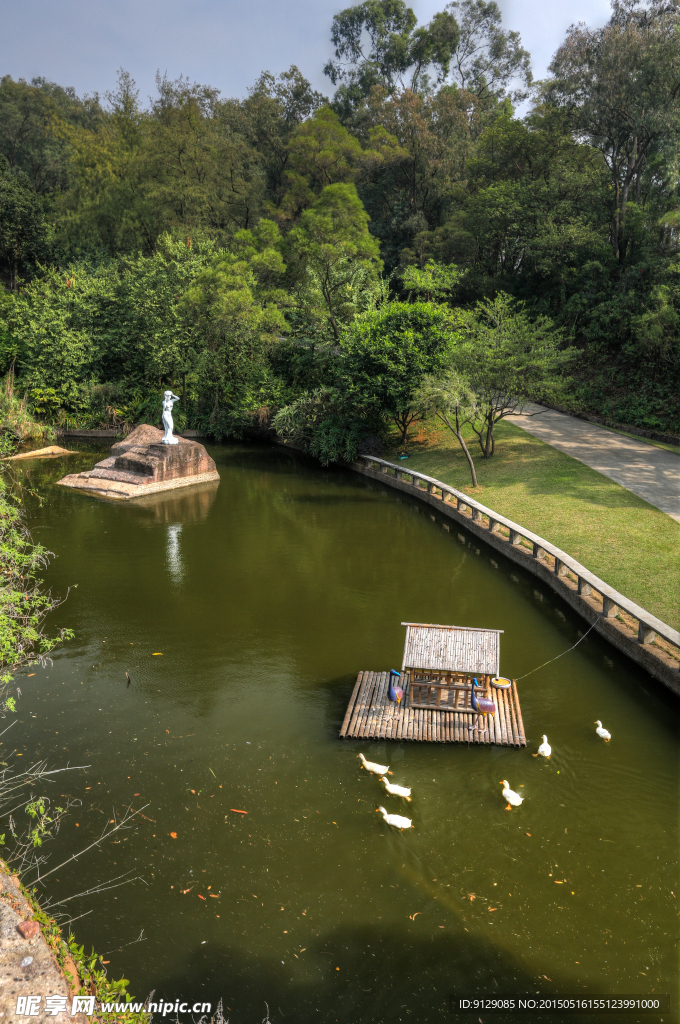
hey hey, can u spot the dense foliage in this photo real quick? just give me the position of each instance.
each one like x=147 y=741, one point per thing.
x=288 y=258
x=23 y=603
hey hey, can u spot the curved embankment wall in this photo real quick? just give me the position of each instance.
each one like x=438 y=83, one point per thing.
x=648 y=641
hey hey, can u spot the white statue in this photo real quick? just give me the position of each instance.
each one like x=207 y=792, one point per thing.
x=168 y=401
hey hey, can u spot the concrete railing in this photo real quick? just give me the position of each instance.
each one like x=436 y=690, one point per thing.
x=524 y=542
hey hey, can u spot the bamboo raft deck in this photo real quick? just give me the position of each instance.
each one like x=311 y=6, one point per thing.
x=371 y=715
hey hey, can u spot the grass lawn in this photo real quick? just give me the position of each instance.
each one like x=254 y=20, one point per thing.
x=626 y=542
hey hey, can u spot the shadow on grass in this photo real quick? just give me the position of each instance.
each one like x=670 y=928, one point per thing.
x=520 y=459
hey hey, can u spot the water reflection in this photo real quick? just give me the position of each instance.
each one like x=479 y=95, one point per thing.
x=186 y=505
x=173 y=554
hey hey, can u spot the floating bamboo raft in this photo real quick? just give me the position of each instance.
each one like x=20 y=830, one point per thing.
x=441 y=664
x=371 y=715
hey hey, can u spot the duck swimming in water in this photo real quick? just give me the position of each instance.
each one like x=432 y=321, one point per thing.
x=602 y=732
x=371 y=766
x=514 y=799
x=545 y=749
x=398 y=820
x=395 y=790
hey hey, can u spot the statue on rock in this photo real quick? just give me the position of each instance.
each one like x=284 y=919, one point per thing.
x=168 y=401
x=148 y=461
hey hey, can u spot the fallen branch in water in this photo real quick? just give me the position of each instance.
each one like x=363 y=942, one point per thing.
x=105 y=835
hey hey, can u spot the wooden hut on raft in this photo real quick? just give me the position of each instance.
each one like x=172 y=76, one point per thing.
x=441 y=668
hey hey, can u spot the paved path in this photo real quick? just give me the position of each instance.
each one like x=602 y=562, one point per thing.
x=651 y=473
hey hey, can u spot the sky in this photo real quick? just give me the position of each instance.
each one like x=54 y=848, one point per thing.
x=222 y=43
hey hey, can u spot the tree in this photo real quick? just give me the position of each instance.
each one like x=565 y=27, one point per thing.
x=450 y=399
x=24 y=235
x=275 y=108
x=336 y=260
x=55 y=321
x=411 y=190
x=146 y=340
x=185 y=164
x=202 y=172
x=385 y=354
x=507 y=359
x=23 y=602
x=320 y=152
x=487 y=59
x=434 y=281
x=531 y=218
x=621 y=85
x=397 y=55
x=236 y=306
x=318 y=422
x=28 y=140
x=108 y=206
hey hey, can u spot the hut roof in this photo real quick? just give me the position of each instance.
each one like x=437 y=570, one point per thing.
x=451 y=648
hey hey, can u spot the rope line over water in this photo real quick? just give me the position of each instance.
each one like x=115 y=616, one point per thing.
x=560 y=655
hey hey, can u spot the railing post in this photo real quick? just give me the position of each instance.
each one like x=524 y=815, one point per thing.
x=493 y=525
x=515 y=538
x=583 y=587
x=460 y=505
x=476 y=514
x=560 y=568
x=645 y=634
x=609 y=608
x=539 y=552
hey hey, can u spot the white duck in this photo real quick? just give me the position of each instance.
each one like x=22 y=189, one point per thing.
x=395 y=790
x=371 y=766
x=397 y=820
x=601 y=731
x=514 y=799
x=545 y=749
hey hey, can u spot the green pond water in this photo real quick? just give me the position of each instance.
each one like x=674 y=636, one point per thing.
x=262 y=598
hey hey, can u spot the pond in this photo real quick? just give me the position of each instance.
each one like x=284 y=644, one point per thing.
x=242 y=614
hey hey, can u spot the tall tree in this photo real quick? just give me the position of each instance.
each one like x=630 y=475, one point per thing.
x=275 y=108
x=28 y=140
x=385 y=355
x=449 y=399
x=530 y=217
x=488 y=59
x=236 y=305
x=108 y=206
x=24 y=235
x=185 y=164
x=507 y=359
x=201 y=172
x=621 y=85
x=377 y=43
x=335 y=259
x=410 y=192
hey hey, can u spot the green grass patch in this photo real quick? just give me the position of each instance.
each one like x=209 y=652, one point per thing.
x=622 y=539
